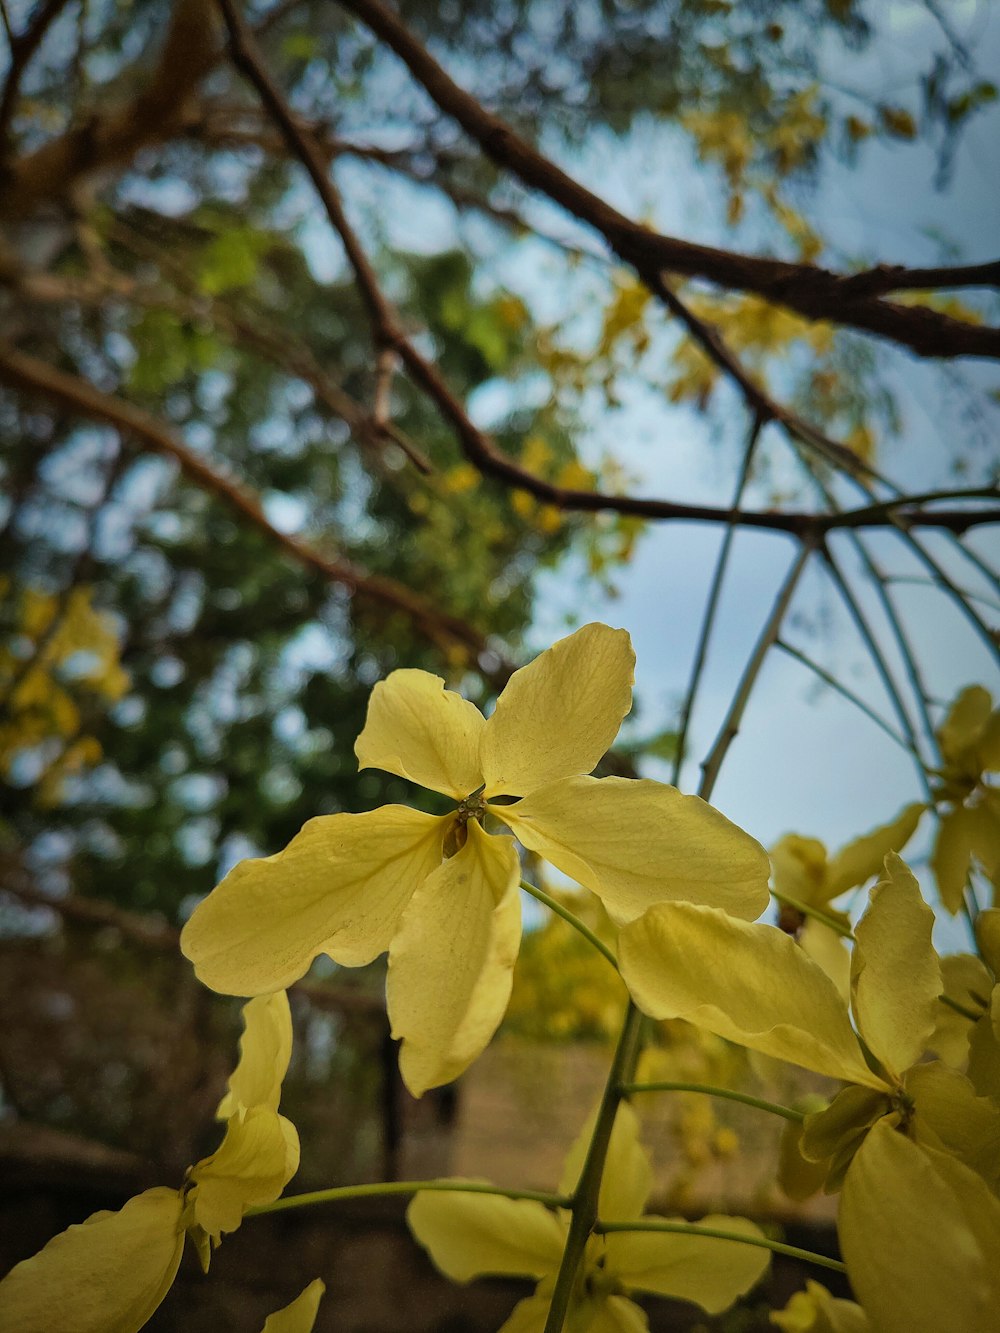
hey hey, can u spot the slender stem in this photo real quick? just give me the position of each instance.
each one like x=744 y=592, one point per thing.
x=841 y=689
x=554 y=905
x=921 y=581
x=729 y=1094
x=711 y=606
x=768 y=636
x=692 y=1229
x=808 y=910
x=585 y=1197
x=380 y=1189
x=881 y=666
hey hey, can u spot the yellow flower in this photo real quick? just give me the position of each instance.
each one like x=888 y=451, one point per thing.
x=816 y=1311
x=969 y=739
x=475 y=1235
x=110 y=1273
x=771 y=997
x=802 y=870
x=439 y=893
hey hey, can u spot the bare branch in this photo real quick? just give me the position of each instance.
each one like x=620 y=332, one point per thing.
x=817 y=294
x=28 y=374
x=23 y=46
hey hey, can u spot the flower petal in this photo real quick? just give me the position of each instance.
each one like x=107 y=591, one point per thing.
x=920 y=1234
x=528 y=1316
x=952 y=854
x=420 y=730
x=265 y=1050
x=829 y=951
x=339 y=887
x=451 y=962
x=608 y=1314
x=816 y=1311
x=950 y=1116
x=799 y=868
x=106 y=1275
x=964 y=724
x=628 y=1174
x=252 y=1165
x=558 y=715
x=895 y=973
x=748 y=983
x=712 y=1273
x=300 y=1316
x=636 y=843
x=862 y=859
x=474 y=1235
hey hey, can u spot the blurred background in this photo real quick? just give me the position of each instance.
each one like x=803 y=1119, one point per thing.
x=225 y=515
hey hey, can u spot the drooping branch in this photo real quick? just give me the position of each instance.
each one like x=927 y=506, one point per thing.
x=815 y=293
x=29 y=375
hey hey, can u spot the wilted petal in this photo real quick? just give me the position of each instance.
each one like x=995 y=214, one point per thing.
x=628 y=1175
x=451 y=962
x=712 y=1273
x=748 y=983
x=300 y=1316
x=862 y=859
x=106 y=1275
x=253 y=1164
x=558 y=715
x=339 y=887
x=265 y=1050
x=636 y=843
x=895 y=973
x=920 y=1234
x=816 y=1311
x=420 y=730
x=475 y=1235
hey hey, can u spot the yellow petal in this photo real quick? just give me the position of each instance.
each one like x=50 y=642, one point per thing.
x=748 y=983
x=473 y=1235
x=963 y=726
x=797 y=1176
x=451 y=963
x=106 y=1275
x=949 y=1115
x=528 y=1316
x=988 y=744
x=339 y=887
x=265 y=1050
x=848 y=1118
x=816 y=1311
x=988 y=938
x=984 y=1052
x=628 y=1174
x=830 y=952
x=636 y=843
x=608 y=1314
x=253 y=1164
x=966 y=980
x=920 y=1234
x=558 y=715
x=984 y=834
x=300 y=1316
x=951 y=856
x=862 y=859
x=799 y=868
x=895 y=973
x=712 y=1273
x=420 y=730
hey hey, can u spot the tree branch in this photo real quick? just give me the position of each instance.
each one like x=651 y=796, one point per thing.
x=817 y=294
x=23 y=46
x=28 y=374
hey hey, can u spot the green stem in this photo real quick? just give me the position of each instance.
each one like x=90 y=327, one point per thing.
x=380 y=1189
x=692 y=1229
x=788 y=901
x=627 y=1089
x=585 y=1197
x=554 y=905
